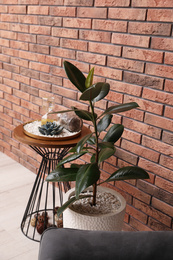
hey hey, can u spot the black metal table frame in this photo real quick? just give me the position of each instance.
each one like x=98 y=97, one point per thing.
x=50 y=158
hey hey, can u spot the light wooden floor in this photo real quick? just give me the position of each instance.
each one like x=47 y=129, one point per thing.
x=15 y=186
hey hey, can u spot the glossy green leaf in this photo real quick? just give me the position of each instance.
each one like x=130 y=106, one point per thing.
x=75 y=76
x=84 y=114
x=82 y=142
x=69 y=202
x=129 y=172
x=70 y=158
x=89 y=79
x=120 y=108
x=62 y=174
x=104 y=123
x=90 y=93
x=87 y=175
x=106 y=145
x=104 y=90
x=105 y=154
x=114 y=133
x=91 y=140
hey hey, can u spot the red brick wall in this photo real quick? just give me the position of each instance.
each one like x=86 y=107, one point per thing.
x=130 y=44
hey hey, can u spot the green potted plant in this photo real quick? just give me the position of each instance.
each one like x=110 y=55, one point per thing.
x=87 y=175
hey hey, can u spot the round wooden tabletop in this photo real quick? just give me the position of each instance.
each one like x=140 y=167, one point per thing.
x=23 y=138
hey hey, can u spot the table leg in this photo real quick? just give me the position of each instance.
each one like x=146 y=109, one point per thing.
x=45 y=196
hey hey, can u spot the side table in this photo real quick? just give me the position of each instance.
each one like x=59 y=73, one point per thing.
x=45 y=196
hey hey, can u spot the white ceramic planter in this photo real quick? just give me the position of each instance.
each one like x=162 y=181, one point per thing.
x=109 y=222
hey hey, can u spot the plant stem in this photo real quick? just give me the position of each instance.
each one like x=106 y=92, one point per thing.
x=97 y=152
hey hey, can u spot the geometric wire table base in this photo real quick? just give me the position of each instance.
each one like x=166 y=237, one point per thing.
x=45 y=196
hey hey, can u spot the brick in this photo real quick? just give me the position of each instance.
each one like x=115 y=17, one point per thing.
x=160 y=15
x=39 y=67
x=108 y=25
x=6 y=74
x=51 y=79
x=91 y=12
x=157 y=145
x=10 y=67
x=26 y=37
x=95 y=36
x=21 y=110
x=127 y=13
x=132 y=40
x=114 y=96
x=29 y=19
x=58 y=71
x=163 y=207
x=20 y=78
x=4 y=42
x=140 y=54
x=91 y=58
x=152 y=3
x=69 y=103
x=40 y=10
x=63 y=11
x=159 y=70
x=3 y=8
x=5 y=145
x=39 y=48
x=36 y=29
x=168 y=85
x=169 y=58
x=149 y=28
x=143 y=80
x=19 y=45
x=126 y=156
x=125 y=64
x=158 y=121
x=132 y=136
x=145 y=105
x=152 y=212
x=64 y=32
x=158 y=96
x=68 y=93
x=112 y=3
x=6 y=103
x=77 y=22
x=51 y=2
x=140 y=150
x=21 y=94
x=4 y=58
x=29 y=73
x=136 y=214
x=9 y=35
x=41 y=85
x=73 y=44
x=166 y=161
x=125 y=88
x=162 y=43
x=47 y=40
x=15 y=9
x=30 y=90
x=61 y=52
x=50 y=20
x=164 y=184
x=141 y=127
x=79 y=2
x=30 y=105
x=167 y=137
x=168 y=112
x=9 y=18
x=12 y=98
x=137 y=225
x=157 y=226
x=103 y=48
x=108 y=72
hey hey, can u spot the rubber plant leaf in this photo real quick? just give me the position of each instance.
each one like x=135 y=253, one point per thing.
x=114 y=133
x=70 y=158
x=129 y=172
x=104 y=90
x=104 y=123
x=91 y=140
x=76 y=77
x=89 y=79
x=82 y=142
x=87 y=175
x=106 y=145
x=84 y=114
x=120 y=108
x=69 y=202
x=62 y=174
x=105 y=154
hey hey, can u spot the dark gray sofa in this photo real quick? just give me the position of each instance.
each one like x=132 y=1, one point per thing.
x=69 y=244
